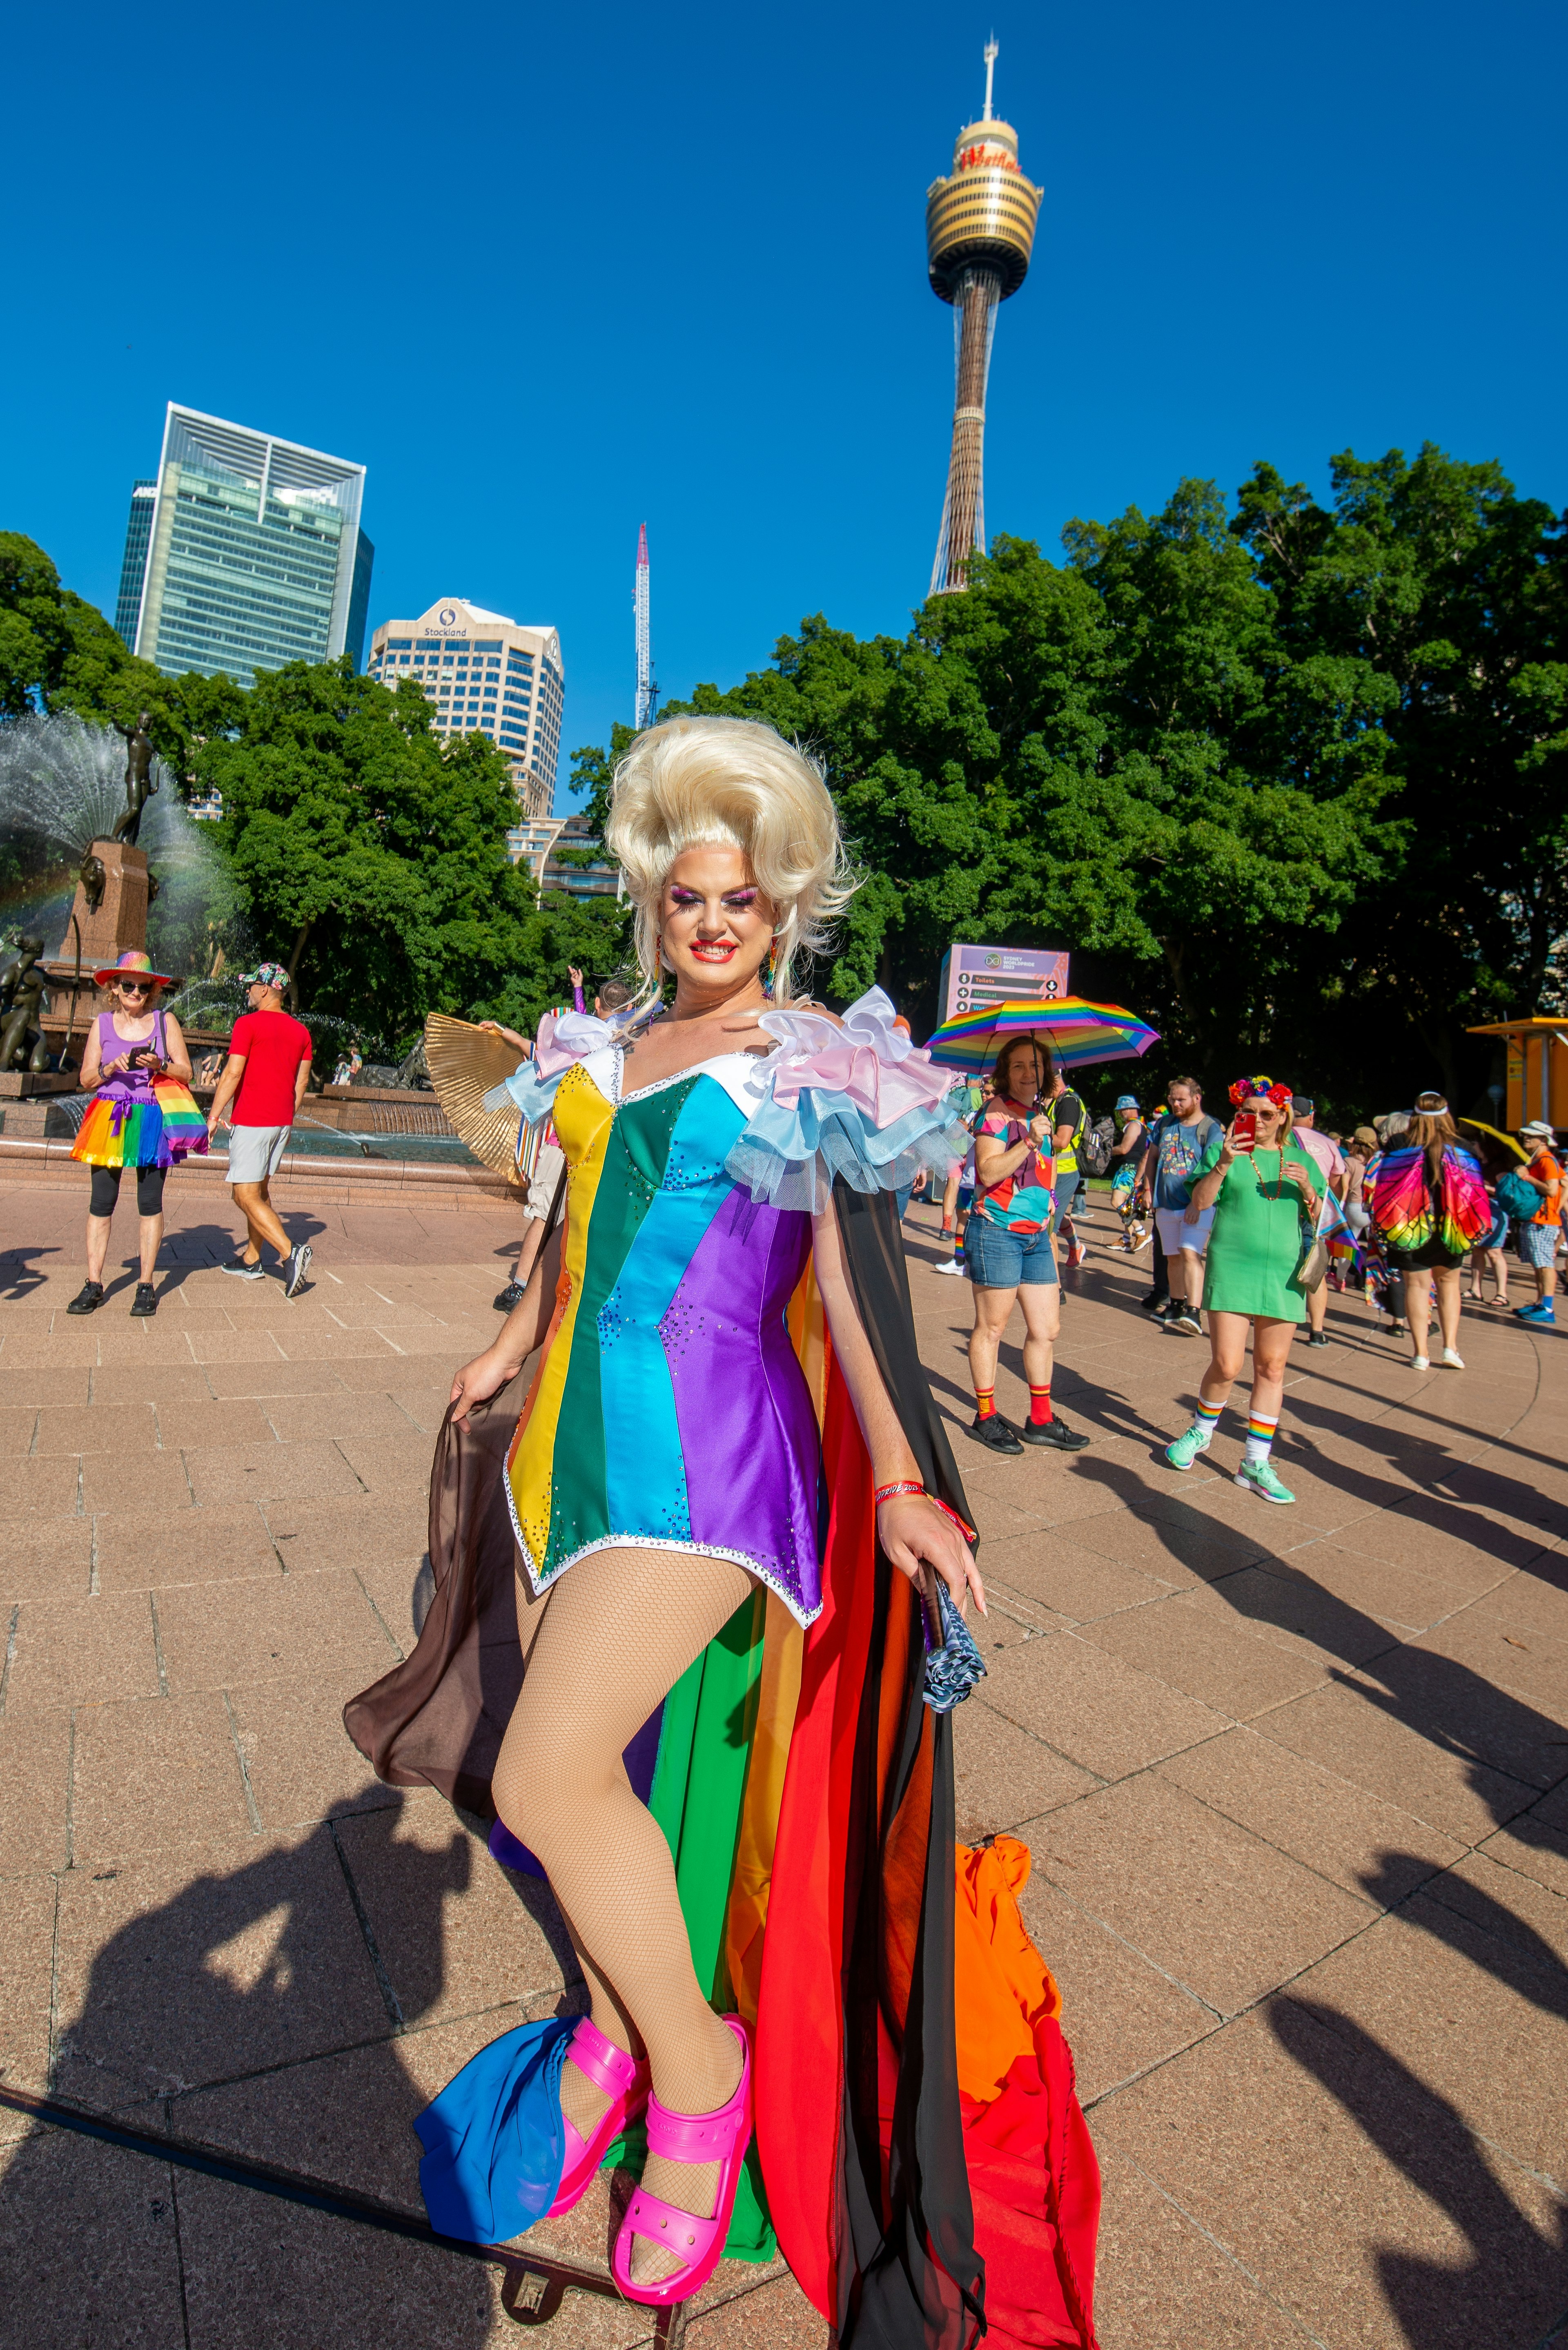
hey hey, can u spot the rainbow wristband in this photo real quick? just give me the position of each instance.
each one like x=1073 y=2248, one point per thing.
x=906 y=1485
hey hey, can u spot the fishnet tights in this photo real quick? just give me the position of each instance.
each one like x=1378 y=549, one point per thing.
x=611 y=1640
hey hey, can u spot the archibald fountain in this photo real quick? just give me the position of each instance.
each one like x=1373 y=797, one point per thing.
x=73 y=810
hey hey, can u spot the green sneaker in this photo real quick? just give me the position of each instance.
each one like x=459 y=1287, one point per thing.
x=1262 y=1478
x=1187 y=1448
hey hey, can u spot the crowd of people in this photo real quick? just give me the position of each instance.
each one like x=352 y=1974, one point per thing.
x=1252 y=1222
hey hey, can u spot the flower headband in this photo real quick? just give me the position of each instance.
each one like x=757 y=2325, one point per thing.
x=1244 y=1089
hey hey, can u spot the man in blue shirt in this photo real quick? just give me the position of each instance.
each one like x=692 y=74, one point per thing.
x=1180 y=1144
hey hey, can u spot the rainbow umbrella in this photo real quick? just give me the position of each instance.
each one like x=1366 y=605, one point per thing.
x=1078 y=1032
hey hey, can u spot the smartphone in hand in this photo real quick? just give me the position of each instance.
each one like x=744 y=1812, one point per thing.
x=1244 y=1130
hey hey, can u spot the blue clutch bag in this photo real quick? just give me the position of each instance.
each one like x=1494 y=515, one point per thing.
x=951 y=1670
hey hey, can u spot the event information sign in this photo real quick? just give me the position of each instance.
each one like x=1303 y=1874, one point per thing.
x=973 y=977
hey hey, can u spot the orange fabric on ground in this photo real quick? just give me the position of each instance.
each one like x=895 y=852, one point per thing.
x=1001 y=1986
x=1034 y=2183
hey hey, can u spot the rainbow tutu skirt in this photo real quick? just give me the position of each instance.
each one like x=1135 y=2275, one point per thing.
x=128 y=1131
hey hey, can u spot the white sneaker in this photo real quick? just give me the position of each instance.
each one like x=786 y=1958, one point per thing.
x=949 y=1264
x=1419 y=1363
x=1451 y=1361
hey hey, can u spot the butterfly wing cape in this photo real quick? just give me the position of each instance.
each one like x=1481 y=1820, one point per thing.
x=1410 y=1207
x=921 y=2158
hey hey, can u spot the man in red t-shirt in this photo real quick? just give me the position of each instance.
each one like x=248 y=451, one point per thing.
x=265 y=1078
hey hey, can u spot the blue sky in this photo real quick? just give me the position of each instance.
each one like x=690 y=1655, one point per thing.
x=552 y=273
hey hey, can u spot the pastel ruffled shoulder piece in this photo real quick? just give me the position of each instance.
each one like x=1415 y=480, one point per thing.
x=856 y=1099
x=562 y=1038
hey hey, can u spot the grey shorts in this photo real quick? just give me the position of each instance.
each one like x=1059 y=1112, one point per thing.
x=255 y=1152
x=542 y=1184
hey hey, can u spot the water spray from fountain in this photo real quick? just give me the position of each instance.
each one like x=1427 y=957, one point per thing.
x=61 y=788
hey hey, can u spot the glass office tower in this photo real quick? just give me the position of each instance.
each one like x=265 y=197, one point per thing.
x=133 y=568
x=256 y=555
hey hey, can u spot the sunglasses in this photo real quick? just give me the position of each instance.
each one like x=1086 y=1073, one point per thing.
x=135 y=986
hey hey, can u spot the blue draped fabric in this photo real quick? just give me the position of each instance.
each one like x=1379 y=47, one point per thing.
x=492 y=2139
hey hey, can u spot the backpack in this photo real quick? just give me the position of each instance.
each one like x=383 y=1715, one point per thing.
x=1095 y=1150
x=1517 y=1198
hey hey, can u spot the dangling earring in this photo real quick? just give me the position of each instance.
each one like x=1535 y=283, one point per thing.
x=766 y=975
x=657 y=959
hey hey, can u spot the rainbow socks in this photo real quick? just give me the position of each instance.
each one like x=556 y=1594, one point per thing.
x=1260 y=1435
x=1205 y=1420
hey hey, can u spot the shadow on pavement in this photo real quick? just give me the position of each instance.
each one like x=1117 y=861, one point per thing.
x=20 y=1275
x=1512 y=2285
x=253 y=2011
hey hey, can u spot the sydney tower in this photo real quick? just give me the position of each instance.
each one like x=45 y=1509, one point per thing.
x=979 y=233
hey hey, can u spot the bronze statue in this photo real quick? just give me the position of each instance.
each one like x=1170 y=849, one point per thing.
x=141 y=782
x=22 y=1044
x=94 y=879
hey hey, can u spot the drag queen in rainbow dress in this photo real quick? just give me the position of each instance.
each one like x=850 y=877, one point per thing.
x=736 y=1518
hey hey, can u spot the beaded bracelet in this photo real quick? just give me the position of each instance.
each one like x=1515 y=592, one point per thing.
x=908 y=1485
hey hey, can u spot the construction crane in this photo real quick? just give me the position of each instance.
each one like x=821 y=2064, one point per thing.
x=647 y=683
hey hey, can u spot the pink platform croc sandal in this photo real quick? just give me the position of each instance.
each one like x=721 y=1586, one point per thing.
x=722 y=2138
x=625 y=2083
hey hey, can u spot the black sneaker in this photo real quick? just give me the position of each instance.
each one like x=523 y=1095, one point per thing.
x=1317 y=1338
x=88 y=1299
x=241 y=1270
x=998 y=1435
x=512 y=1295
x=144 y=1304
x=1184 y=1320
x=299 y=1265
x=1156 y=1305
x=1055 y=1434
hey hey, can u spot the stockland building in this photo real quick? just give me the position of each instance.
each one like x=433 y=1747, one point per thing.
x=247 y=554
x=486 y=674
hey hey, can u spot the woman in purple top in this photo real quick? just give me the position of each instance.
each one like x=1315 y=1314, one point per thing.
x=131 y=1052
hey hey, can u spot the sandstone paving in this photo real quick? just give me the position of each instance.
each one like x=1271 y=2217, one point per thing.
x=1294 y=1783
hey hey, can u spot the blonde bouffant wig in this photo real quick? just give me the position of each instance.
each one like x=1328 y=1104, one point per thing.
x=692 y=783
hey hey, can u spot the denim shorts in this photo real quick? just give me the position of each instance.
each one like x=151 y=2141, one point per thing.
x=1498 y=1236
x=1065 y=1190
x=997 y=1259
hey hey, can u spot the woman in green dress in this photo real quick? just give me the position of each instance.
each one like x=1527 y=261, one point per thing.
x=1264 y=1193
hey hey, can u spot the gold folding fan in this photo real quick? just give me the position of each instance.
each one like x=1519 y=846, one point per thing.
x=466 y=1062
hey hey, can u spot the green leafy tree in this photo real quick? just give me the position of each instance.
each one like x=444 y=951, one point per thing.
x=1429 y=583
x=373 y=860
x=57 y=653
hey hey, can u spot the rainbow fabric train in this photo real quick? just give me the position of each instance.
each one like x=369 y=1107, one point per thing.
x=1409 y=1209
